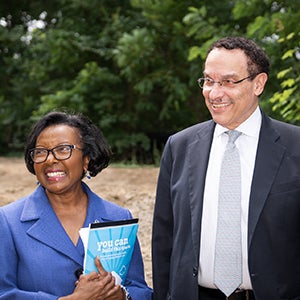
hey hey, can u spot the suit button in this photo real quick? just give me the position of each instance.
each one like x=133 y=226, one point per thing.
x=195 y=271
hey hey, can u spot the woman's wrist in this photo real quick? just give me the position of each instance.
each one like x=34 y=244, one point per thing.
x=125 y=293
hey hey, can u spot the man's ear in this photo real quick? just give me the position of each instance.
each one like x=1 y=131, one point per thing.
x=259 y=83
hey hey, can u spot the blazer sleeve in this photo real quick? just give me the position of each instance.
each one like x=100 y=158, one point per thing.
x=8 y=263
x=135 y=282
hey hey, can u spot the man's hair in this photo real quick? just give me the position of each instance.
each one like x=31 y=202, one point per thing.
x=258 y=61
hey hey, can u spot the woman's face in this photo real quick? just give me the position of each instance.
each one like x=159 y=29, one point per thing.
x=60 y=176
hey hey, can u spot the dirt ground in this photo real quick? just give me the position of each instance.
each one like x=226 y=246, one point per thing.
x=133 y=188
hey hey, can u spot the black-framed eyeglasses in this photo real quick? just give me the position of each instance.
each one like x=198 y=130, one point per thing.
x=207 y=82
x=61 y=152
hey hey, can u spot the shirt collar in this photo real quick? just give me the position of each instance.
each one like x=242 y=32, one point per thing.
x=249 y=127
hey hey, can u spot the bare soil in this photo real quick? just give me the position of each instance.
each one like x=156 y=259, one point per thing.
x=133 y=188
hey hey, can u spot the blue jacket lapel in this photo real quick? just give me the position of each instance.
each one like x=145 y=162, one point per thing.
x=46 y=227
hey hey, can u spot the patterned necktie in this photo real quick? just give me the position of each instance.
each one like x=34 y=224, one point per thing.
x=228 y=252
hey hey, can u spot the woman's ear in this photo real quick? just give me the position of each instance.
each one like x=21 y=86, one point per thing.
x=86 y=161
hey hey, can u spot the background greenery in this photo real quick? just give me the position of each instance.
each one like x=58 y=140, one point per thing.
x=132 y=66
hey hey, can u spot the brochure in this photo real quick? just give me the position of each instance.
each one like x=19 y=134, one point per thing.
x=113 y=242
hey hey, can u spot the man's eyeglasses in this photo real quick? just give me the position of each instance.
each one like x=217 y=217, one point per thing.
x=207 y=82
x=61 y=152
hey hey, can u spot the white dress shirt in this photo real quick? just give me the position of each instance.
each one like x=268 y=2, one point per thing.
x=247 y=146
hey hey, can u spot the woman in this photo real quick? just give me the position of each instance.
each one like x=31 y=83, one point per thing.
x=40 y=248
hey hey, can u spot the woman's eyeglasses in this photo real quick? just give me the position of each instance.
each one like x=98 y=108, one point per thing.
x=61 y=152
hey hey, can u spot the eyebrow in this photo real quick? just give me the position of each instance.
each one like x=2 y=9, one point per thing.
x=60 y=144
x=232 y=75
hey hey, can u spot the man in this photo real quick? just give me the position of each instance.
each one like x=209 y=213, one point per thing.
x=185 y=238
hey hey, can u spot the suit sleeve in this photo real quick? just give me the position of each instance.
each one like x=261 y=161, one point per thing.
x=162 y=234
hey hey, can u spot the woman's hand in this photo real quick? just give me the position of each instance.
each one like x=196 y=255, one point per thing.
x=96 y=286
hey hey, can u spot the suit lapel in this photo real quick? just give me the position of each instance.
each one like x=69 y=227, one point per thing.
x=46 y=228
x=198 y=155
x=268 y=159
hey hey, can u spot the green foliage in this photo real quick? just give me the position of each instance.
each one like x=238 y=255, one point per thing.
x=285 y=21
x=132 y=66
x=134 y=53
x=287 y=100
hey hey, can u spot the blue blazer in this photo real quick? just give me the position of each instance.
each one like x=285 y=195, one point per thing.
x=38 y=259
x=274 y=213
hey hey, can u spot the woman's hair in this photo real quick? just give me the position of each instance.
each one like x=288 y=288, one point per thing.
x=94 y=144
x=258 y=61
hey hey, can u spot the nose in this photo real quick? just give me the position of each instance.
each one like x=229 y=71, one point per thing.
x=216 y=92
x=51 y=156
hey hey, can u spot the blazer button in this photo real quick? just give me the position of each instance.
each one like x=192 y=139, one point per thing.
x=195 y=271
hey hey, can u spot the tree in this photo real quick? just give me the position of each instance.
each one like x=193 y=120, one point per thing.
x=132 y=66
x=286 y=101
x=273 y=24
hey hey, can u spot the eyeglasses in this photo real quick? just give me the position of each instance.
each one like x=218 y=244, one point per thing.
x=228 y=83
x=61 y=152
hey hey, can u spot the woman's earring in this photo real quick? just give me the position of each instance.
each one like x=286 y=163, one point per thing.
x=87 y=175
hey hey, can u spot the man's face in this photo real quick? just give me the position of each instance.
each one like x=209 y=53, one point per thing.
x=231 y=106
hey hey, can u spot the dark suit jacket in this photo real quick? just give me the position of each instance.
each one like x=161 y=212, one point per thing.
x=274 y=213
